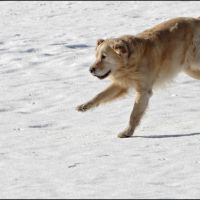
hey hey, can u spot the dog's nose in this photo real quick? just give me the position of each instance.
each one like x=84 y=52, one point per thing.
x=92 y=70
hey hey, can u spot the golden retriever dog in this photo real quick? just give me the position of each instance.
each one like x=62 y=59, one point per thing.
x=145 y=61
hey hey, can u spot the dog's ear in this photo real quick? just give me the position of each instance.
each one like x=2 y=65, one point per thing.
x=119 y=48
x=99 y=41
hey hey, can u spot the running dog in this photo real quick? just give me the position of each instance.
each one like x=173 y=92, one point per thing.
x=145 y=61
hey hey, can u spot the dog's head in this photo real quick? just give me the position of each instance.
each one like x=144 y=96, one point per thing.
x=111 y=55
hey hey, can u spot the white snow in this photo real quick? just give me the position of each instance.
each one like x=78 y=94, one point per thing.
x=48 y=149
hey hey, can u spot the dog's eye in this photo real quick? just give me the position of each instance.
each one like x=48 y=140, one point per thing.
x=103 y=56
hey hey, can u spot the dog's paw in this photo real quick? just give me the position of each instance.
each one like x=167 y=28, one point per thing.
x=126 y=133
x=83 y=107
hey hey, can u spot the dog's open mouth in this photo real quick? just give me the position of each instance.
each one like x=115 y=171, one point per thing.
x=104 y=76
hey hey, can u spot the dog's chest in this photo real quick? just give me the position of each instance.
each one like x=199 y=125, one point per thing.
x=127 y=81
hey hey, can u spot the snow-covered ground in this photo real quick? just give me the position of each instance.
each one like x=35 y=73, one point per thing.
x=48 y=149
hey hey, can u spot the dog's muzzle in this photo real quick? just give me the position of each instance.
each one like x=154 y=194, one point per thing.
x=92 y=71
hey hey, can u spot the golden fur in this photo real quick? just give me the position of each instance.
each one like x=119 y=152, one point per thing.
x=145 y=61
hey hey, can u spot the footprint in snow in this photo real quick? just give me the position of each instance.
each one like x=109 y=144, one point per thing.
x=40 y=126
x=74 y=165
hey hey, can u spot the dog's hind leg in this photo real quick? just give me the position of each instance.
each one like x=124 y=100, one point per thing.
x=193 y=73
x=112 y=92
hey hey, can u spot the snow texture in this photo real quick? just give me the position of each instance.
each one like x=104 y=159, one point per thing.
x=48 y=149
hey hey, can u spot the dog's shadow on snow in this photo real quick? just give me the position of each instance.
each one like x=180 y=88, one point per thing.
x=167 y=136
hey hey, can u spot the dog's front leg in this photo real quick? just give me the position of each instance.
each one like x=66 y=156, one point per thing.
x=112 y=92
x=141 y=103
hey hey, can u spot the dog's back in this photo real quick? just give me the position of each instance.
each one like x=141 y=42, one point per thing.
x=176 y=44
